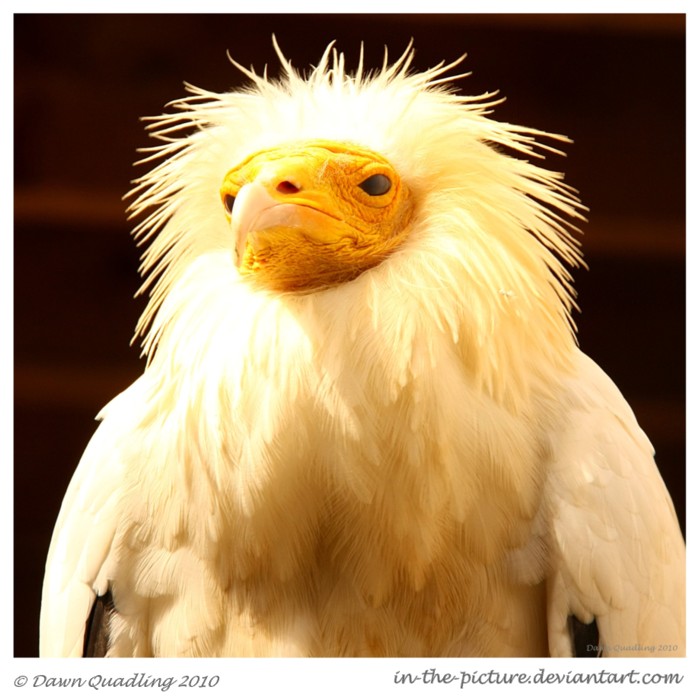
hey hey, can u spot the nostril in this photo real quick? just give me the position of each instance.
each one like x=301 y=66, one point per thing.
x=287 y=187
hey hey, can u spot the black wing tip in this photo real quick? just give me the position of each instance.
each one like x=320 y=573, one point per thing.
x=96 y=643
x=585 y=638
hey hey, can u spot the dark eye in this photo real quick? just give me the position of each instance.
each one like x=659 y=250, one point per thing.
x=376 y=185
x=229 y=200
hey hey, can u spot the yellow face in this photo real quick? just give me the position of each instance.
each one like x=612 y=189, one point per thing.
x=314 y=214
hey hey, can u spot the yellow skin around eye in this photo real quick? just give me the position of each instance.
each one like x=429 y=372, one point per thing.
x=310 y=225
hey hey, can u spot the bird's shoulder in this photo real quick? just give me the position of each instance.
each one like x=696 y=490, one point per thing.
x=78 y=561
x=617 y=553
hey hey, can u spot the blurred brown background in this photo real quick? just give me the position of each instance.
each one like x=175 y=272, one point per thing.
x=614 y=83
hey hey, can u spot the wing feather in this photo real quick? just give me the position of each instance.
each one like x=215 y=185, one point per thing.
x=618 y=552
x=77 y=566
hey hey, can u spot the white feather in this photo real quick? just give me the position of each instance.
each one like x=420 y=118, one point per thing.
x=617 y=553
x=417 y=462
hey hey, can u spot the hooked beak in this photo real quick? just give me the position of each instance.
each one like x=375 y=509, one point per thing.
x=255 y=210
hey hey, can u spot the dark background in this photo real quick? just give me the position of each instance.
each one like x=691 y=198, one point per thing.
x=614 y=83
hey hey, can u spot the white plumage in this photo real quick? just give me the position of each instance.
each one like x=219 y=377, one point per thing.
x=418 y=461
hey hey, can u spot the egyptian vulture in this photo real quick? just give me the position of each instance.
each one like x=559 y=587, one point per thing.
x=365 y=427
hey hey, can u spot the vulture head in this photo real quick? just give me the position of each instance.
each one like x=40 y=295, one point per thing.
x=342 y=182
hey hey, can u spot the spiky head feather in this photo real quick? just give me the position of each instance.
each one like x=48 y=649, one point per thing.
x=490 y=239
